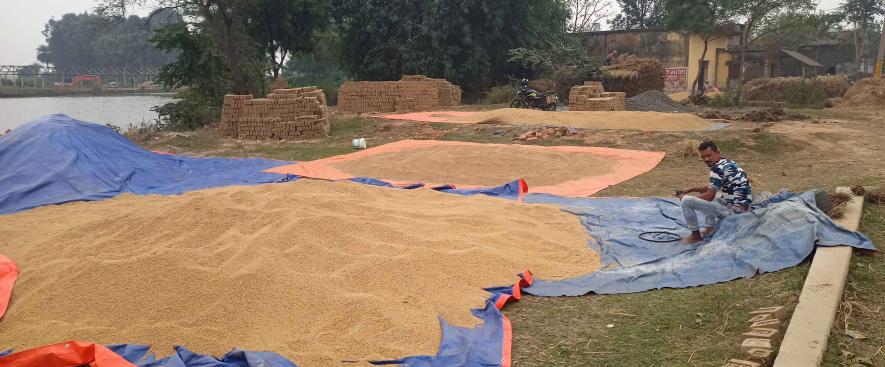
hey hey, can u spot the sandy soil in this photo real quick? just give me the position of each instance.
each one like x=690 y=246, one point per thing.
x=621 y=120
x=320 y=272
x=479 y=165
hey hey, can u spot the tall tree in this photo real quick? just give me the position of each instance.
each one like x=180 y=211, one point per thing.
x=861 y=14
x=284 y=27
x=640 y=14
x=586 y=13
x=708 y=19
x=223 y=20
x=464 y=41
x=765 y=17
x=87 y=40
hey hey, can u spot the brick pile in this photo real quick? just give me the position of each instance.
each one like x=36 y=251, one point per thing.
x=411 y=93
x=592 y=97
x=286 y=114
x=763 y=334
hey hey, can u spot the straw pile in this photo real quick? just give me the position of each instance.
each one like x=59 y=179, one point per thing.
x=869 y=92
x=412 y=93
x=317 y=271
x=286 y=114
x=775 y=89
x=633 y=75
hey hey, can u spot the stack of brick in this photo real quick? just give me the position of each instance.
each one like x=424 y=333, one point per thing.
x=412 y=93
x=286 y=114
x=592 y=97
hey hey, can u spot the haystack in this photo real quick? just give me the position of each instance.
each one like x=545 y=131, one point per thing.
x=633 y=75
x=869 y=92
x=775 y=89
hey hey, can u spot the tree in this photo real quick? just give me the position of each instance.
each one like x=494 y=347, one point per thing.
x=285 y=27
x=88 y=40
x=707 y=19
x=586 y=13
x=640 y=14
x=563 y=61
x=201 y=67
x=765 y=17
x=861 y=15
x=464 y=41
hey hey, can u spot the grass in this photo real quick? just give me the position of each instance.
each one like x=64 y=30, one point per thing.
x=863 y=301
x=669 y=327
x=697 y=326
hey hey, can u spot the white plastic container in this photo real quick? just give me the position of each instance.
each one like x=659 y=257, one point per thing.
x=359 y=143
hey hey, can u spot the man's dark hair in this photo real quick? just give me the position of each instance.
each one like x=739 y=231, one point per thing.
x=708 y=144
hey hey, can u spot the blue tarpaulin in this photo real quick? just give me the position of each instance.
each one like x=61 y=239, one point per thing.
x=57 y=159
x=766 y=239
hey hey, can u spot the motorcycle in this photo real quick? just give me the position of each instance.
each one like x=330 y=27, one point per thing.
x=546 y=101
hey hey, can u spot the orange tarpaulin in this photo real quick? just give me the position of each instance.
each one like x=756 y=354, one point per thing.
x=8 y=274
x=66 y=354
x=626 y=165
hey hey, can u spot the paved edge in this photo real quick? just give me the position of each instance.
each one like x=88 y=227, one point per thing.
x=806 y=338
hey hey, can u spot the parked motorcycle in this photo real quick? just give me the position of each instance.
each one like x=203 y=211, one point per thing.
x=527 y=98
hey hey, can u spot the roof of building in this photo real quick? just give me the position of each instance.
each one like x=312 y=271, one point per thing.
x=802 y=58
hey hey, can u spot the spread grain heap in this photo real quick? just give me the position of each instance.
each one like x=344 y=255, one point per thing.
x=592 y=97
x=286 y=114
x=317 y=271
x=412 y=93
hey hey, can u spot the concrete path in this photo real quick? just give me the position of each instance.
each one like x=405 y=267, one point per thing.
x=806 y=338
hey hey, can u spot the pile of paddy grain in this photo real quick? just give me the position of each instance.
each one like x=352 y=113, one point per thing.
x=317 y=271
x=615 y=120
x=479 y=165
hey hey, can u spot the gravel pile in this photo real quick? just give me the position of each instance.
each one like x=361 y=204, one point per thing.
x=655 y=101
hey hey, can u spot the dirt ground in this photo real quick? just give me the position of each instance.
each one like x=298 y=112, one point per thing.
x=686 y=327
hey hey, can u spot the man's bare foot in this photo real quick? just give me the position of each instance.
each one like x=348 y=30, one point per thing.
x=708 y=231
x=694 y=238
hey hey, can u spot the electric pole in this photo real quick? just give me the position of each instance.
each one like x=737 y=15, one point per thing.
x=880 y=58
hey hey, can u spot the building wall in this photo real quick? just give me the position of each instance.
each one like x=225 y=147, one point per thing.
x=714 y=64
x=674 y=49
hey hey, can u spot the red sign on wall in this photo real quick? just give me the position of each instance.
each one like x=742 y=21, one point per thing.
x=675 y=79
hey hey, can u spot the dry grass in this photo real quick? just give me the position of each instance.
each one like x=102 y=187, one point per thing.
x=838 y=200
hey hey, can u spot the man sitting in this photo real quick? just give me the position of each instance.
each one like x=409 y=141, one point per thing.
x=726 y=177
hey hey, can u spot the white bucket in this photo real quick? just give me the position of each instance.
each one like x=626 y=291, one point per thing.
x=359 y=143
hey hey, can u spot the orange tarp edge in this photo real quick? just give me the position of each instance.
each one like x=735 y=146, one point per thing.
x=627 y=164
x=8 y=275
x=66 y=354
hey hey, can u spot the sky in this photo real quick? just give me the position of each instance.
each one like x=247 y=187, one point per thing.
x=22 y=21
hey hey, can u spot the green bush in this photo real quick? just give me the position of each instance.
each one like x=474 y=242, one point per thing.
x=728 y=98
x=187 y=112
x=500 y=94
x=805 y=94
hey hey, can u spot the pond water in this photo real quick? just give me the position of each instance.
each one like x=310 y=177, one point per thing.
x=116 y=110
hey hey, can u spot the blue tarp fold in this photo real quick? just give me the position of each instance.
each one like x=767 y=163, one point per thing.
x=57 y=159
x=766 y=239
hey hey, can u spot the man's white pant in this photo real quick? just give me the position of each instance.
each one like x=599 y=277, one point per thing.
x=713 y=211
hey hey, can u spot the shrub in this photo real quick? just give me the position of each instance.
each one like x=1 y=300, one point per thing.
x=500 y=94
x=727 y=98
x=188 y=112
x=805 y=94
